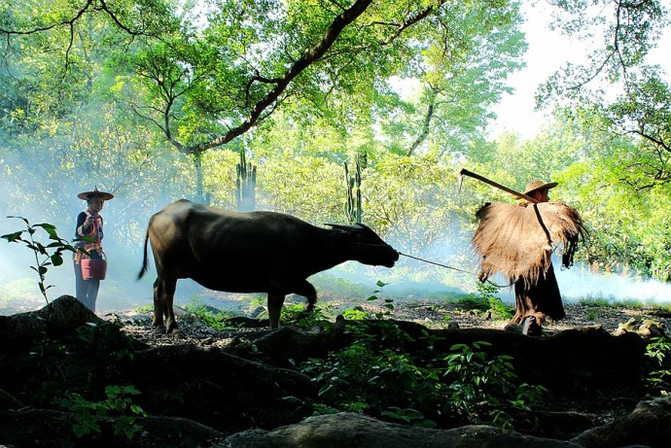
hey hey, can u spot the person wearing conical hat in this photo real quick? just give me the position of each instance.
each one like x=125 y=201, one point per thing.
x=90 y=227
x=518 y=240
x=539 y=190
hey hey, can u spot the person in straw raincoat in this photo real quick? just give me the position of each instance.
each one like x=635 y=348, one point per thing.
x=518 y=240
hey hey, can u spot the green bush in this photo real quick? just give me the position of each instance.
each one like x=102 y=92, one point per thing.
x=45 y=254
x=659 y=371
x=376 y=376
x=117 y=404
x=481 y=385
x=210 y=318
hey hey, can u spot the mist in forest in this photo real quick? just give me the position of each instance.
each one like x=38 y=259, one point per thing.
x=579 y=282
x=408 y=280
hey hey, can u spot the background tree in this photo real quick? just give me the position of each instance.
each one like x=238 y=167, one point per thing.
x=134 y=94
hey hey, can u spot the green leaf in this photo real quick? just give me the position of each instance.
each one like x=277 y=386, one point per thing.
x=13 y=237
x=56 y=259
x=49 y=228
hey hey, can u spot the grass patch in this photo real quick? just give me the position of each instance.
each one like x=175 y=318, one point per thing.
x=600 y=302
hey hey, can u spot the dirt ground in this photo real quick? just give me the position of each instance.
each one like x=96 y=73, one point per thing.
x=429 y=313
x=577 y=315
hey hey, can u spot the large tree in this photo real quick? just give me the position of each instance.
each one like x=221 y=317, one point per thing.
x=204 y=85
x=617 y=83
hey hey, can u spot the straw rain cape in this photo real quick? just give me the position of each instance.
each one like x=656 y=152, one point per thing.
x=518 y=240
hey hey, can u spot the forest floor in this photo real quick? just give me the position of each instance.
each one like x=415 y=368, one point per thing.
x=430 y=313
x=578 y=411
x=435 y=315
x=610 y=317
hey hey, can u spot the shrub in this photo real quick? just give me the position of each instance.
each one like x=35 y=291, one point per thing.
x=659 y=374
x=377 y=376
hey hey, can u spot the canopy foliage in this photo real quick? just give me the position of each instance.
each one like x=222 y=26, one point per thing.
x=152 y=99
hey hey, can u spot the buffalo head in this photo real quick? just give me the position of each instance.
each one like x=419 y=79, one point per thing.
x=366 y=246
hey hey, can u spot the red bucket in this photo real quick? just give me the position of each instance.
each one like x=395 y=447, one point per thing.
x=94 y=268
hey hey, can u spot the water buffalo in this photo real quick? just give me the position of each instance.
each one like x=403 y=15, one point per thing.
x=249 y=252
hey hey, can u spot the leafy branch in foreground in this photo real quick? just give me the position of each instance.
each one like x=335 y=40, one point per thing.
x=375 y=375
x=49 y=255
x=659 y=371
x=118 y=404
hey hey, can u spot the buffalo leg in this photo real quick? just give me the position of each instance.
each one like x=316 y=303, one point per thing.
x=275 y=302
x=157 y=322
x=308 y=291
x=164 y=292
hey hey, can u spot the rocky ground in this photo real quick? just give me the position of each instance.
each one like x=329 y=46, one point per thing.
x=242 y=381
x=432 y=314
x=577 y=315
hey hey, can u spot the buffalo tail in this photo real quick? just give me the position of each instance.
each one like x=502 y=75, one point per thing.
x=144 y=260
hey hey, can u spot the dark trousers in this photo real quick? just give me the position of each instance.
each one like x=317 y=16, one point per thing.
x=87 y=290
x=540 y=299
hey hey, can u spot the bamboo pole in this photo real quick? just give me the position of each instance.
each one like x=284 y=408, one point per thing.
x=465 y=172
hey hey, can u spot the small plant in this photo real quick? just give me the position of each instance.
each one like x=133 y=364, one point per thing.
x=388 y=303
x=297 y=315
x=659 y=377
x=486 y=300
x=590 y=314
x=76 y=362
x=478 y=381
x=354 y=314
x=49 y=255
x=118 y=404
x=209 y=318
x=409 y=416
x=376 y=375
x=360 y=378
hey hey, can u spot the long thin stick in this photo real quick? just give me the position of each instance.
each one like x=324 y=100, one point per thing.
x=451 y=267
x=465 y=172
x=436 y=264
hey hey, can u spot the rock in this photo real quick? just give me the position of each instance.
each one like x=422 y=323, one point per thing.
x=648 y=328
x=258 y=311
x=357 y=431
x=652 y=329
x=293 y=343
x=649 y=424
x=453 y=326
x=627 y=327
x=551 y=424
x=513 y=327
x=247 y=322
x=49 y=428
x=59 y=317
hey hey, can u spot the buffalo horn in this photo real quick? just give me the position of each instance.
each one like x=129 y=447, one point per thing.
x=345 y=227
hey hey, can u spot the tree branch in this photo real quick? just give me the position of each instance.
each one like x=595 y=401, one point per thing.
x=309 y=57
x=426 y=125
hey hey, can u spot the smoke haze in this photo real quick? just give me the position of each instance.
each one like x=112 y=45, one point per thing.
x=408 y=279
